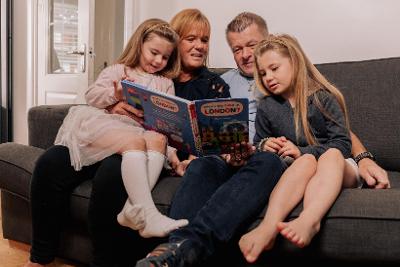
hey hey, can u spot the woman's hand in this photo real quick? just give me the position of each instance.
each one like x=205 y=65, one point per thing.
x=373 y=174
x=123 y=108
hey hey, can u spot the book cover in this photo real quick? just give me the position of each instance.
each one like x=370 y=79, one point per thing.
x=222 y=123
x=200 y=127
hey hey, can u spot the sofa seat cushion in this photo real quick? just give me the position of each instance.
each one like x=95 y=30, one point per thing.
x=360 y=221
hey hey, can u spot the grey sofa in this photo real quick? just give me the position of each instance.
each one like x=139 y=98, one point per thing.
x=362 y=226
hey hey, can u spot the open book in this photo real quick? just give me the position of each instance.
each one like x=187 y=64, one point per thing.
x=201 y=127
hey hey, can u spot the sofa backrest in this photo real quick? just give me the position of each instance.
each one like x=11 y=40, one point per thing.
x=43 y=124
x=371 y=89
x=372 y=92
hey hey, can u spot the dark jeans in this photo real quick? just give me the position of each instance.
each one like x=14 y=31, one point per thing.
x=219 y=200
x=52 y=183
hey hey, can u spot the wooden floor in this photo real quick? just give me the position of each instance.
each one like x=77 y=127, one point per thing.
x=15 y=254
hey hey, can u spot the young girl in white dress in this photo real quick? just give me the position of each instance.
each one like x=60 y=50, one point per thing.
x=91 y=133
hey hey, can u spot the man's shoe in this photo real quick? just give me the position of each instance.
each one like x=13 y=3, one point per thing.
x=164 y=255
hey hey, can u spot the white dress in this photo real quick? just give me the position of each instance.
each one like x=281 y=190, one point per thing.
x=90 y=132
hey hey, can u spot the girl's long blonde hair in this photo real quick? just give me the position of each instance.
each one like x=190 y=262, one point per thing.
x=146 y=31
x=306 y=81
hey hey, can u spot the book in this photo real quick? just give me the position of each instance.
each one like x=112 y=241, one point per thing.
x=200 y=127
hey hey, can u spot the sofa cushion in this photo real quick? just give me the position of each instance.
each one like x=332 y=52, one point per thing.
x=372 y=102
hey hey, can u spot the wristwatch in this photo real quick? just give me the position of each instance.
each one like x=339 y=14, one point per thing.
x=364 y=155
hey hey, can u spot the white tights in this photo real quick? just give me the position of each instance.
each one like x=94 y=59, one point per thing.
x=140 y=172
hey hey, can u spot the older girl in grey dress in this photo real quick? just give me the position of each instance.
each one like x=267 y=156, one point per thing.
x=303 y=119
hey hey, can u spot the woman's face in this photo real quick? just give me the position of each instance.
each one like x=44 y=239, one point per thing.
x=193 y=49
x=276 y=73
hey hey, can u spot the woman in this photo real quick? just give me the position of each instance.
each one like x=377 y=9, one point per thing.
x=194 y=82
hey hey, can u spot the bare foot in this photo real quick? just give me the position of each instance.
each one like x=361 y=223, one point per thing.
x=255 y=241
x=299 y=231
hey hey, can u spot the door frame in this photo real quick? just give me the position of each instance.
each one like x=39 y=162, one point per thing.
x=6 y=39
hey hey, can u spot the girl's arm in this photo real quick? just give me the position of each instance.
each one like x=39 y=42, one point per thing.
x=262 y=125
x=101 y=93
x=338 y=135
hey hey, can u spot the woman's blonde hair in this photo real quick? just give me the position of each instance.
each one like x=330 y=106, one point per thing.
x=188 y=19
x=306 y=80
x=145 y=32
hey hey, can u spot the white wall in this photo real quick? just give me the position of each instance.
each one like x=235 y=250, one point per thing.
x=329 y=31
x=23 y=76
x=337 y=30
x=109 y=33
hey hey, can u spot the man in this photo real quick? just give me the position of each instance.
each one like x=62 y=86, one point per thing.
x=243 y=33
x=217 y=199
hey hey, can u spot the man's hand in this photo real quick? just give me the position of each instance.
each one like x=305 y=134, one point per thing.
x=239 y=154
x=123 y=108
x=373 y=174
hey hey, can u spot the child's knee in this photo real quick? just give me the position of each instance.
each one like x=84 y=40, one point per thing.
x=134 y=143
x=333 y=153
x=309 y=160
x=155 y=141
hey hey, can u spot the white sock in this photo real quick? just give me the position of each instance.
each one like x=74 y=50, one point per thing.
x=134 y=175
x=132 y=216
x=155 y=164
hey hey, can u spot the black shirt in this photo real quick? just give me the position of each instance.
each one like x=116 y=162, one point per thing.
x=205 y=85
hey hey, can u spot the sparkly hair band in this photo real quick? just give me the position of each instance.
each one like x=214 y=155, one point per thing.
x=274 y=39
x=162 y=25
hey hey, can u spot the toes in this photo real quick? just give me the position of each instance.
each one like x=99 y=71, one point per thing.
x=281 y=225
x=285 y=231
x=245 y=247
x=254 y=253
x=290 y=234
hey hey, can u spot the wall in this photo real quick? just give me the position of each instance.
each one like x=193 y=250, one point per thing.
x=109 y=33
x=23 y=76
x=329 y=31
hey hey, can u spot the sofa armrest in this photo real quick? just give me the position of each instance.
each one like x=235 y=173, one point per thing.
x=16 y=164
x=44 y=122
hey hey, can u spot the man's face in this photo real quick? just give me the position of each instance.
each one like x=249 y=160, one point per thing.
x=242 y=45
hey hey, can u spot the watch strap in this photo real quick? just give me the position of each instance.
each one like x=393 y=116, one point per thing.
x=364 y=155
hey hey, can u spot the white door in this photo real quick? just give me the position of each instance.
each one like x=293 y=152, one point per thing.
x=65 y=50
